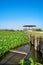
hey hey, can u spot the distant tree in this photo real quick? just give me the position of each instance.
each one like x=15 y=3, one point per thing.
x=39 y=29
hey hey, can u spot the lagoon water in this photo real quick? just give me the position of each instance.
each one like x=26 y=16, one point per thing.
x=14 y=58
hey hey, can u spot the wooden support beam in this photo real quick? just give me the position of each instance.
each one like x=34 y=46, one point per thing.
x=36 y=43
x=15 y=51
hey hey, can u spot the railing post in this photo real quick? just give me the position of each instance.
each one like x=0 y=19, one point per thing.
x=35 y=43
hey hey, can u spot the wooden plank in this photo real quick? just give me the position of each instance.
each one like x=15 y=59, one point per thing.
x=15 y=51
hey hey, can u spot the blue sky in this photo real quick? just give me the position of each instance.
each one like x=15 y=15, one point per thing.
x=16 y=13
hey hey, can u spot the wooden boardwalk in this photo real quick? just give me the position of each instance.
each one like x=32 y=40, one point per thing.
x=36 y=40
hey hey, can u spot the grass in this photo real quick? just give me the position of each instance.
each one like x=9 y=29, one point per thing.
x=11 y=39
x=36 y=33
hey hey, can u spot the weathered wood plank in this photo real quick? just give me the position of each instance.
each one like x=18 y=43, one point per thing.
x=15 y=51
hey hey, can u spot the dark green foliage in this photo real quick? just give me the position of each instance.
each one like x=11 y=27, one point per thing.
x=37 y=29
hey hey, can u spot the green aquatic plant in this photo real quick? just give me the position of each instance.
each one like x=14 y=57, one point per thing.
x=32 y=61
x=23 y=62
x=9 y=39
x=29 y=62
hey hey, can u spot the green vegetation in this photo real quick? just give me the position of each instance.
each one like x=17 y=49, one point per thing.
x=29 y=62
x=11 y=39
